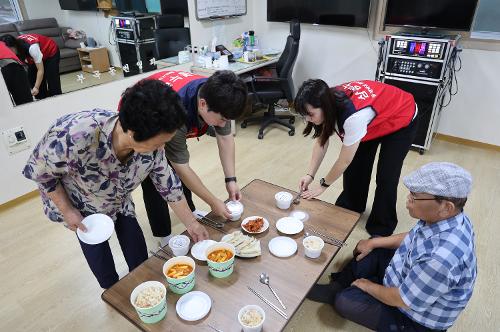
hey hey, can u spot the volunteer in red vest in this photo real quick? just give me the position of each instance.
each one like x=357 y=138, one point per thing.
x=365 y=115
x=42 y=56
x=212 y=101
x=14 y=75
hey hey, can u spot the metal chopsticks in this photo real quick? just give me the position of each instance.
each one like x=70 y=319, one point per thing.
x=269 y=303
x=209 y=224
x=216 y=223
x=334 y=241
x=157 y=256
x=166 y=251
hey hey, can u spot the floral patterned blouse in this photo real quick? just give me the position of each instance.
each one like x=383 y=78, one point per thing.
x=77 y=152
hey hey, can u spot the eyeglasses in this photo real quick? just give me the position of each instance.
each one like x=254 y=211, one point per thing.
x=412 y=198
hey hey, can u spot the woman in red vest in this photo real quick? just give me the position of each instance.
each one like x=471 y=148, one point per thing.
x=365 y=115
x=42 y=56
x=14 y=75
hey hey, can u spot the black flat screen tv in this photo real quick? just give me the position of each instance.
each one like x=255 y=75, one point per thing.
x=138 y=6
x=351 y=13
x=78 y=4
x=431 y=14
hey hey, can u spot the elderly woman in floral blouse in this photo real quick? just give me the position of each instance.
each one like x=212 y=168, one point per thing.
x=90 y=162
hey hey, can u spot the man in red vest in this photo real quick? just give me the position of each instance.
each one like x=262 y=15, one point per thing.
x=212 y=101
x=365 y=115
x=14 y=75
x=42 y=56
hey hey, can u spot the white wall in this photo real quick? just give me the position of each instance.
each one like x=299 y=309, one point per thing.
x=93 y=23
x=338 y=54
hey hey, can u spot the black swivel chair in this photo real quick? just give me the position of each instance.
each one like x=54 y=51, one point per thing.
x=268 y=90
x=171 y=36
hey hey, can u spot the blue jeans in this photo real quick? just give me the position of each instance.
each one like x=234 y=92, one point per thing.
x=100 y=258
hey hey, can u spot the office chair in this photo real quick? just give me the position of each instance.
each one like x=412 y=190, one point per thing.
x=268 y=90
x=171 y=36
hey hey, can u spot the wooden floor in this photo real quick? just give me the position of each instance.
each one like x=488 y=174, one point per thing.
x=46 y=284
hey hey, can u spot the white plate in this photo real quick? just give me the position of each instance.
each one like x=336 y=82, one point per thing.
x=199 y=248
x=99 y=229
x=263 y=229
x=193 y=306
x=289 y=225
x=282 y=246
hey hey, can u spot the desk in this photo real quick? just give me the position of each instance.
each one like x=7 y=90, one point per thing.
x=291 y=277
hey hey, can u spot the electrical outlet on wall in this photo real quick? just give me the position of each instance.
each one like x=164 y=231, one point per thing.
x=15 y=140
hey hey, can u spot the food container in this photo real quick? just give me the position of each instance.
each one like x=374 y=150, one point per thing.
x=283 y=199
x=236 y=209
x=299 y=214
x=220 y=269
x=313 y=246
x=245 y=315
x=150 y=314
x=179 y=245
x=184 y=284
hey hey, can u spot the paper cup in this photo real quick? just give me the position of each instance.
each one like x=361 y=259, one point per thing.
x=236 y=209
x=223 y=269
x=179 y=245
x=154 y=314
x=256 y=328
x=313 y=245
x=180 y=285
x=283 y=199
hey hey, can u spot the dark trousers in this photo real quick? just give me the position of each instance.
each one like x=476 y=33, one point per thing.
x=393 y=149
x=100 y=258
x=157 y=208
x=51 y=82
x=17 y=83
x=360 y=307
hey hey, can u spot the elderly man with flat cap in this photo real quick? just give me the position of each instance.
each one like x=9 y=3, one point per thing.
x=415 y=281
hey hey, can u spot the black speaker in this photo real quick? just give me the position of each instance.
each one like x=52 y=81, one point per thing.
x=78 y=4
x=425 y=96
x=128 y=56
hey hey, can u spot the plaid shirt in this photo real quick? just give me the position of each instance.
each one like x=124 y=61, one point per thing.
x=435 y=270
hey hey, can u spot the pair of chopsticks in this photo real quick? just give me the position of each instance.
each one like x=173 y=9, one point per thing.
x=269 y=303
x=327 y=238
x=166 y=251
x=211 y=223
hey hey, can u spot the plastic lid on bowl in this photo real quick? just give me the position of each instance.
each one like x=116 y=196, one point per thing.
x=299 y=214
x=235 y=207
x=178 y=241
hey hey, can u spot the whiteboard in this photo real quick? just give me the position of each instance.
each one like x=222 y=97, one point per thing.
x=207 y=9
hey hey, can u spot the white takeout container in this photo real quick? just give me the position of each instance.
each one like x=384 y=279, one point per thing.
x=236 y=209
x=311 y=252
x=179 y=245
x=283 y=199
x=256 y=328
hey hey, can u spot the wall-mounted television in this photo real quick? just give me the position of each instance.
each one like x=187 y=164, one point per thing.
x=138 y=6
x=78 y=4
x=351 y=13
x=431 y=14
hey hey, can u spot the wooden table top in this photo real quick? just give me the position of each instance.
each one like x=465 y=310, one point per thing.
x=291 y=277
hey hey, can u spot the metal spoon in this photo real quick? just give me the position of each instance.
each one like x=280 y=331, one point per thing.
x=296 y=200
x=264 y=278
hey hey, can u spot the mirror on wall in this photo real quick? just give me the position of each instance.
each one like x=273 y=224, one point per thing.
x=58 y=46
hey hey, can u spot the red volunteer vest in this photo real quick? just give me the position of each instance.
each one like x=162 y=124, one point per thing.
x=394 y=108
x=6 y=53
x=177 y=80
x=48 y=47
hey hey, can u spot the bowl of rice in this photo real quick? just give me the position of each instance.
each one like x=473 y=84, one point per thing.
x=149 y=299
x=251 y=318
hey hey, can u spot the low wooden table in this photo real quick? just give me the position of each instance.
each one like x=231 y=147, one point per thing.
x=292 y=277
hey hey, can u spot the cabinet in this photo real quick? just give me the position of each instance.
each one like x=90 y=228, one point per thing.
x=92 y=59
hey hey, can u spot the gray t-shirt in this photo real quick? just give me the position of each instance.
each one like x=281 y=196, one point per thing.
x=176 y=149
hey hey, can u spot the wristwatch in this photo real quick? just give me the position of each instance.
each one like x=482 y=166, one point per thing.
x=323 y=183
x=230 y=179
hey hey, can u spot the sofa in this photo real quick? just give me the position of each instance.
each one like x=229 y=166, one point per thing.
x=50 y=28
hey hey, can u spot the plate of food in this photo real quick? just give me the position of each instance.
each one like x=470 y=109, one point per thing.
x=245 y=245
x=255 y=224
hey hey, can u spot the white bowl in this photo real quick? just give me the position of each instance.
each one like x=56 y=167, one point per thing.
x=256 y=328
x=179 y=245
x=315 y=250
x=236 y=209
x=283 y=200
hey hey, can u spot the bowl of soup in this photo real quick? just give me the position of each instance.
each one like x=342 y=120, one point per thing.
x=220 y=259
x=180 y=275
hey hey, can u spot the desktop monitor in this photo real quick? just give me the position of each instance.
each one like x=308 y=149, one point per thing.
x=433 y=14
